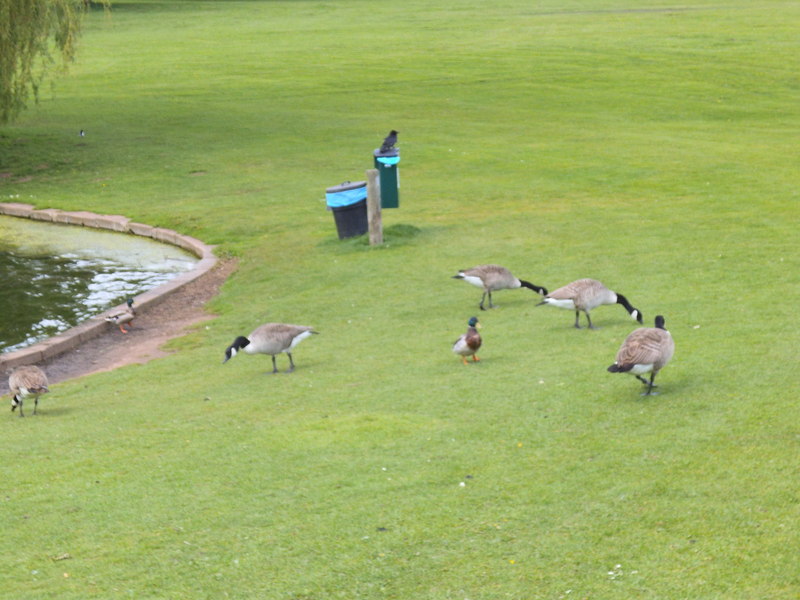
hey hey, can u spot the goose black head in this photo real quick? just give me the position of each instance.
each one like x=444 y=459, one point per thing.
x=239 y=343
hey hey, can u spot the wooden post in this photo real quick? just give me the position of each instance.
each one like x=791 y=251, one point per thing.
x=374 y=208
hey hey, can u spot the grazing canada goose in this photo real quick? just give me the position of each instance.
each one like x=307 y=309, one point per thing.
x=25 y=382
x=584 y=295
x=272 y=339
x=124 y=317
x=645 y=350
x=492 y=278
x=469 y=343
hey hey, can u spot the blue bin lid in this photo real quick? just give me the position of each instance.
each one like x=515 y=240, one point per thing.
x=346 y=193
x=388 y=160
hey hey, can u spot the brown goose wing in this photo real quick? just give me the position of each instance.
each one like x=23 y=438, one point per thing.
x=643 y=347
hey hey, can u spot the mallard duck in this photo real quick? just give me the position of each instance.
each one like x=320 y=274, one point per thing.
x=24 y=382
x=645 y=350
x=584 y=295
x=272 y=339
x=469 y=343
x=124 y=317
x=492 y=278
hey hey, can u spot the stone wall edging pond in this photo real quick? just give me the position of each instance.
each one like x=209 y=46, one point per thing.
x=96 y=325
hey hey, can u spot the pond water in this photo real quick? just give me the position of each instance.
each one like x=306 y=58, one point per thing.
x=53 y=277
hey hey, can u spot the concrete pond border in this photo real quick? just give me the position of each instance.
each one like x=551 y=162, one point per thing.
x=97 y=325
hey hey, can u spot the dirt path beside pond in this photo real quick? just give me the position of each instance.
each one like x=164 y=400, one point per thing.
x=152 y=328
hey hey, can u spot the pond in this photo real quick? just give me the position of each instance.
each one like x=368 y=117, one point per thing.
x=53 y=277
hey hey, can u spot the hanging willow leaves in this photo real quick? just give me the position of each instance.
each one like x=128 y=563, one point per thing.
x=36 y=38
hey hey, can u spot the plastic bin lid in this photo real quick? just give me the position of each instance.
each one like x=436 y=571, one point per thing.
x=388 y=160
x=346 y=194
x=347 y=185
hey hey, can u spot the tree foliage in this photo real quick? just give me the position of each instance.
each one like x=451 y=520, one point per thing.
x=36 y=37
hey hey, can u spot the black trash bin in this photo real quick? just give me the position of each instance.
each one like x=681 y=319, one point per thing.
x=348 y=201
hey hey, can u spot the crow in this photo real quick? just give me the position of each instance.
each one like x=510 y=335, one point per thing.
x=389 y=142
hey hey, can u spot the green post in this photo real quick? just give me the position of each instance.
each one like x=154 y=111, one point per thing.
x=389 y=175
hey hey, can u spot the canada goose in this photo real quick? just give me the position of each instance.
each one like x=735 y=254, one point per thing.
x=584 y=295
x=25 y=382
x=124 y=317
x=469 y=343
x=645 y=350
x=272 y=339
x=492 y=278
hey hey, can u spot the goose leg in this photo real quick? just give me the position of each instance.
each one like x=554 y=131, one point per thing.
x=291 y=362
x=650 y=386
x=35 y=404
x=274 y=365
x=577 y=319
x=588 y=318
x=490 y=299
x=482 y=300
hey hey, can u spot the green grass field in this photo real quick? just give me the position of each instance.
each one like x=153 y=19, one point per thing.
x=648 y=145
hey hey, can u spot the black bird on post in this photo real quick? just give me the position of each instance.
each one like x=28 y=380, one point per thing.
x=389 y=142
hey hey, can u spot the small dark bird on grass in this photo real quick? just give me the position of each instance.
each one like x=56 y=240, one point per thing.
x=82 y=133
x=389 y=142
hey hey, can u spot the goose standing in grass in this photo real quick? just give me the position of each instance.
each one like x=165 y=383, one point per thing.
x=645 y=350
x=469 y=343
x=492 y=278
x=123 y=318
x=584 y=295
x=272 y=339
x=25 y=382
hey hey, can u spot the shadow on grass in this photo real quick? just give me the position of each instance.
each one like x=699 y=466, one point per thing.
x=399 y=234
x=44 y=413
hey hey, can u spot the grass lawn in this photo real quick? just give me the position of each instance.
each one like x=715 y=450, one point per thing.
x=649 y=145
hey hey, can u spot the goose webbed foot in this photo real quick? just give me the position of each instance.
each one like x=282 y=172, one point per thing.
x=650 y=385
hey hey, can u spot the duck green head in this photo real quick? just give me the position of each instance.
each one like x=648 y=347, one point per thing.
x=473 y=322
